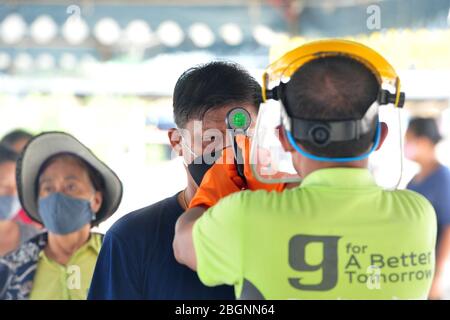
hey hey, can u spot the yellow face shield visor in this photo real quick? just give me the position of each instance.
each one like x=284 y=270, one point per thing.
x=271 y=163
x=288 y=64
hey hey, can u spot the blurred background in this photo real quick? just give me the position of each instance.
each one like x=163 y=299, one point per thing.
x=104 y=70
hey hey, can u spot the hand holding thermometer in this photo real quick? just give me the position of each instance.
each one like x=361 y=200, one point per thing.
x=238 y=121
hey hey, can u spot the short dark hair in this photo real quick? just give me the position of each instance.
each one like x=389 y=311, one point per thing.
x=210 y=86
x=426 y=128
x=333 y=88
x=14 y=136
x=7 y=154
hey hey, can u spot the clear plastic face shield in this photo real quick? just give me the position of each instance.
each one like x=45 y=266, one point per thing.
x=272 y=164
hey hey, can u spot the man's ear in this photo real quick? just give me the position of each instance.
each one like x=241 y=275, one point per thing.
x=383 y=134
x=175 y=140
x=283 y=139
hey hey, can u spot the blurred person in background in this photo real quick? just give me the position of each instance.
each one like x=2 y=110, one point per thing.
x=137 y=260
x=17 y=140
x=64 y=186
x=433 y=182
x=12 y=233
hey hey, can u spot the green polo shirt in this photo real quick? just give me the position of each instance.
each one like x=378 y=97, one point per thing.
x=337 y=236
x=54 y=281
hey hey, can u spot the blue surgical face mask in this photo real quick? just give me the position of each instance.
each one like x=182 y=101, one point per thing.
x=62 y=214
x=9 y=206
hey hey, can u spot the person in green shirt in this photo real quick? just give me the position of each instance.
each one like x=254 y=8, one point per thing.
x=338 y=235
x=65 y=187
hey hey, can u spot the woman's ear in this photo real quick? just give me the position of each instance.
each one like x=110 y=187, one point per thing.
x=175 y=141
x=383 y=134
x=96 y=202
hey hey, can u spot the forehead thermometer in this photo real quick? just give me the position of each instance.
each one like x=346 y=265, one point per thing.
x=238 y=120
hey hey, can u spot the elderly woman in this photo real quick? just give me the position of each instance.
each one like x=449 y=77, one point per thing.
x=65 y=187
x=12 y=231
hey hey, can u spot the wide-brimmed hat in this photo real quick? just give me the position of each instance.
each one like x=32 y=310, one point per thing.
x=48 y=144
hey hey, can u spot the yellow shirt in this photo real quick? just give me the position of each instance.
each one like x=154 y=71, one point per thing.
x=54 y=281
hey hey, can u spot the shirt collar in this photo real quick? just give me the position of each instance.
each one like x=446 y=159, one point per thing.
x=340 y=178
x=94 y=243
